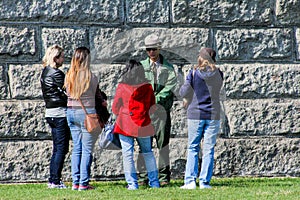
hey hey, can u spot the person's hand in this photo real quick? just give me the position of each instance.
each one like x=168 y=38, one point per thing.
x=185 y=102
x=104 y=103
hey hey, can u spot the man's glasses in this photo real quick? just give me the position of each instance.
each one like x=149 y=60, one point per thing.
x=151 y=49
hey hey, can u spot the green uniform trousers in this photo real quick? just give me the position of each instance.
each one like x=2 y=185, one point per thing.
x=161 y=120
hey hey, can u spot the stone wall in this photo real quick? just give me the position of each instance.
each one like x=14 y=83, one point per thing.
x=258 y=48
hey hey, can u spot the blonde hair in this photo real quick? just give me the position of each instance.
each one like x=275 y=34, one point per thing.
x=203 y=64
x=79 y=75
x=52 y=52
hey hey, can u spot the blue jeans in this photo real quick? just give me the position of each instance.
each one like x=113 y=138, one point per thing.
x=60 y=137
x=198 y=129
x=83 y=145
x=128 y=161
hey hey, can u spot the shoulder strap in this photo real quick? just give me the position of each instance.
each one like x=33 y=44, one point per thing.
x=82 y=106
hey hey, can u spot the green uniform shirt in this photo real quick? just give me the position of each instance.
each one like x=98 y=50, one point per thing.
x=165 y=84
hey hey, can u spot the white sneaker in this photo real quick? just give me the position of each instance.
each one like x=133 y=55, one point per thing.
x=61 y=185
x=190 y=186
x=203 y=186
x=131 y=187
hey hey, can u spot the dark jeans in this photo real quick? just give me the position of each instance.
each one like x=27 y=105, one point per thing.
x=60 y=136
x=162 y=124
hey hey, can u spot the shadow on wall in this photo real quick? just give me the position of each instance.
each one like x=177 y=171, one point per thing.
x=173 y=58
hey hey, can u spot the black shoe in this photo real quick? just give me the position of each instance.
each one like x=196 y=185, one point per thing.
x=164 y=183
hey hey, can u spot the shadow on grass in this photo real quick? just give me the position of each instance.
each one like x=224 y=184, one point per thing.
x=253 y=182
x=239 y=182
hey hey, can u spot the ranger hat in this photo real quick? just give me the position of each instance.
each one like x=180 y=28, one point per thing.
x=152 y=41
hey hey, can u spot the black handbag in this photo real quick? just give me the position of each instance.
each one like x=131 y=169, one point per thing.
x=100 y=109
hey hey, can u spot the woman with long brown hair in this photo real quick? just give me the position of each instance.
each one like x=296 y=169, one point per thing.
x=81 y=84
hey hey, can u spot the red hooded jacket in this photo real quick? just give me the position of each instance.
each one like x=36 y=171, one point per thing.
x=133 y=105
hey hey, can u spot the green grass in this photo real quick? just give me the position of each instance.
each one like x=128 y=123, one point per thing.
x=223 y=188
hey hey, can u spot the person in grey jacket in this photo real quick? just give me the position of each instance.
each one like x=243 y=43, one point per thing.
x=52 y=81
x=201 y=97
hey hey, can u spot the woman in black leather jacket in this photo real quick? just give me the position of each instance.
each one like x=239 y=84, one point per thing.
x=52 y=81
